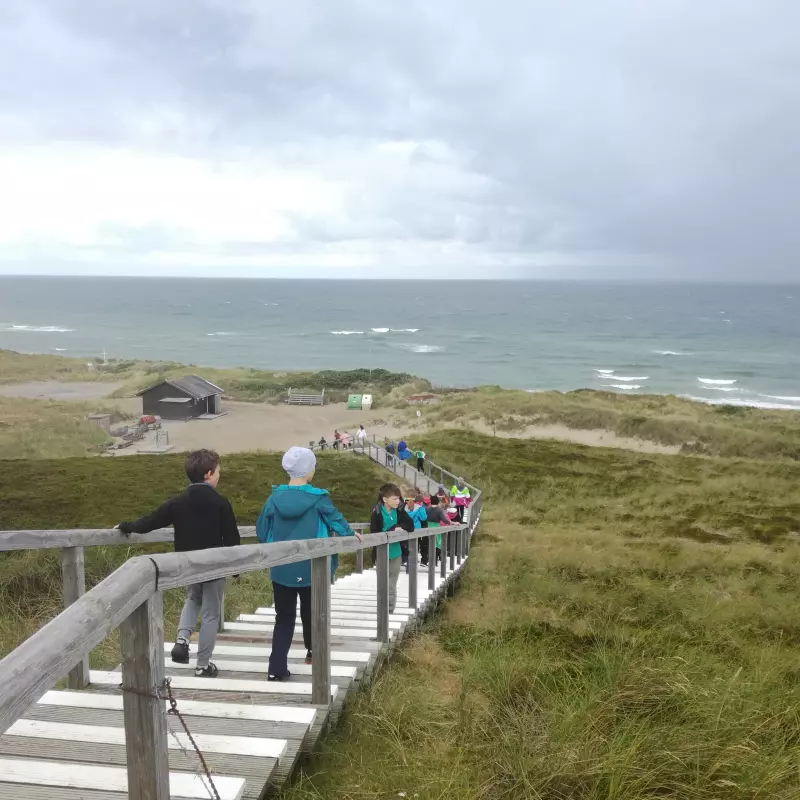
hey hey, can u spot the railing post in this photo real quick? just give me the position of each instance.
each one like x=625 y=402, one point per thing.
x=359 y=561
x=321 y=630
x=452 y=536
x=413 y=573
x=459 y=540
x=443 y=563
x=382 y=568
x=73 y=579
x=142 y=645
x=432 y=562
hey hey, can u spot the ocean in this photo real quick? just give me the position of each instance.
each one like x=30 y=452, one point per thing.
x=720 y=343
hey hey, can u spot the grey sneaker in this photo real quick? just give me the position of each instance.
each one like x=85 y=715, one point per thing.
x=210 y=671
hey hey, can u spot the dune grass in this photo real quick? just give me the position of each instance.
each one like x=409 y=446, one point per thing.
x=99 y=493
x=626 y=628
x=34 y=429
x=724 y=430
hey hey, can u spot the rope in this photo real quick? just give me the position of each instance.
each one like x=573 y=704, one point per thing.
x=173 y=709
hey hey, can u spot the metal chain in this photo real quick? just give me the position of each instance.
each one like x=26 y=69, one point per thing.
x=173 y=709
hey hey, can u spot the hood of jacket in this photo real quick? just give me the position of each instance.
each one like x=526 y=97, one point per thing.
x=291 y=502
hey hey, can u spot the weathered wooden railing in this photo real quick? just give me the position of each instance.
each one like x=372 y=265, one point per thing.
x=131 y=599
x=72 y=544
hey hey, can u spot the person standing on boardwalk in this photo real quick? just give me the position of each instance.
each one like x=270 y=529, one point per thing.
x=420 y=454
x=461 y=497
x=337 y=440
x=202 y=519
x=388 y=516
x=437 y=516
x=296 y=511
x=415 y=509
x=390 y=451
x=361 y=436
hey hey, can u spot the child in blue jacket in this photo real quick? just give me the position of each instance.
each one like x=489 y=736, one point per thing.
x=295 y=511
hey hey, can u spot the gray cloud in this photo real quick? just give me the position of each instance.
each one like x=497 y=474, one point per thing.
x=659 y=136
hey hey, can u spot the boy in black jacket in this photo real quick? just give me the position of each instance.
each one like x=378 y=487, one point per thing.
x=389 y=516
x=202 y=519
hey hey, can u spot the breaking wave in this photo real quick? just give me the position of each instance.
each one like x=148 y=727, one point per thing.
x=37 y=329
x=624 y=386
x=716 y=381
x=347 y=333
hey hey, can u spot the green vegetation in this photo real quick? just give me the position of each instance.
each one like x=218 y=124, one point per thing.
x=49 y=429
x=627 y=628
x=239 y=383
x=694 y=427
x=99 y=493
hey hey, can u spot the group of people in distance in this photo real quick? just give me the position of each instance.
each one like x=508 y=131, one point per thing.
x=202 y=519
x=343 y=440
x=403 y=452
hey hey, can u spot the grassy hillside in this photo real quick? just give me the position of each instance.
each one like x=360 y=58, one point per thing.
x=722 y=430
x=98 y=493
x=49 y=429
x=627 y=628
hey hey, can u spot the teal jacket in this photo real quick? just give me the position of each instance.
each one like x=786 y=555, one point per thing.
x=299 y=512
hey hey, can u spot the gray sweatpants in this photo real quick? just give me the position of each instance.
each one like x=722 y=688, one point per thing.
x=204 y=599
x=395 y=564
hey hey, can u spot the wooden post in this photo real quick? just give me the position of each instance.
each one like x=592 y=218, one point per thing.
x=382 y=554
x=321 y=630
x=142 y=644
x=443 y=565
x=432 y=562
x=466 y=539
x=359 y=561
x=413 y=573
x=459 y=540
x=73 y=579
x=452 y=548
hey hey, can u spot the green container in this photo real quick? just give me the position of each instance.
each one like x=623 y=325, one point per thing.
x=354 y=402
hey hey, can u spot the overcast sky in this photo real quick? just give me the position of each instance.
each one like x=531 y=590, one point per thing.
x=598 y=138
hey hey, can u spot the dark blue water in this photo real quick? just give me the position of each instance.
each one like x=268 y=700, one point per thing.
x=742 y=341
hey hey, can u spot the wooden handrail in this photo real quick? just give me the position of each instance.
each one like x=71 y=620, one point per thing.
x=47 y=539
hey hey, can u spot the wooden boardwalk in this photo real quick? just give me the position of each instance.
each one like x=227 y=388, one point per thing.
x=71 y=745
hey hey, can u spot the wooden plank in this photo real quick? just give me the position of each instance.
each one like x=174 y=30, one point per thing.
x=337 y=627
x=382 y=570
x=254 y=651
x=359 y=561
x=321 y=630
x=208 y=743
x=360 y=620
x=413 y=552
x=73 y=579
x=189 y=708
x=443 y=559
x=268 y=615
x=432 y=562
x=33 y=667
x=342 y=633
x=182 y=785
x=219 y=684
x=141 y=638
x=299 y=668
x=79 y=537
x=181 y=569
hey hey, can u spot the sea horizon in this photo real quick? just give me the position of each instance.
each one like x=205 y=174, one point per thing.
x=733 y=343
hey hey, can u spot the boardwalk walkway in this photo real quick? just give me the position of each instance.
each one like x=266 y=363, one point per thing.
x=71 y=745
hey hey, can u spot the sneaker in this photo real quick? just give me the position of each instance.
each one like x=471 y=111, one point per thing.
x=308 y=656
x=279 y=678
x=180 y=652
x=210 y=671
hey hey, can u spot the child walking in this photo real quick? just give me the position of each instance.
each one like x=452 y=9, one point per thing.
x=388 y=516
x=294 y=511
x=202 y=518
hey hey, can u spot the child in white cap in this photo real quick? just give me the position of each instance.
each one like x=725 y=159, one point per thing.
x=294 y=511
